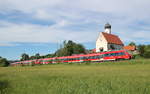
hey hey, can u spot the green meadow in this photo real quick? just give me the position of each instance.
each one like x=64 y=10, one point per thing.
x=122 y=77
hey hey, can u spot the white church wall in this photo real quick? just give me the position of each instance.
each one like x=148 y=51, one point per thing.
x=101 y=43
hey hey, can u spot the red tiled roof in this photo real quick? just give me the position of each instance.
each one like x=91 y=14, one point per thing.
x=130 y=48
x=112 y=38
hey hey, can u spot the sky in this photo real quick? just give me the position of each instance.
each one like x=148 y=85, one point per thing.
x=40 y=26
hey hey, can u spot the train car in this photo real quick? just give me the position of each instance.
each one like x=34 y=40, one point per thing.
x=94 y=57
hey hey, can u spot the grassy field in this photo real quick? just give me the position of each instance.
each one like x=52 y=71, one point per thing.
x=124 y=77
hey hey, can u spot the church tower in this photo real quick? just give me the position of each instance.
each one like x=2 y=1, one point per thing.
x=108 y=28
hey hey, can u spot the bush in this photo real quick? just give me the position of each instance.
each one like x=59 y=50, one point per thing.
x=147 y=54
x=144 y=51
x=4 y=62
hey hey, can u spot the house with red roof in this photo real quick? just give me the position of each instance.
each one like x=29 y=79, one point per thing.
x=130 y=48
x=107 y=41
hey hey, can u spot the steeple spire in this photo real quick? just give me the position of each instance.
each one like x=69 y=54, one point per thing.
x=107 y=28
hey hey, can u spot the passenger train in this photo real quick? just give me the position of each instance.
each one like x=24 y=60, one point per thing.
x=81 y=58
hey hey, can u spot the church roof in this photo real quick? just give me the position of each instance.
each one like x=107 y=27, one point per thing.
x=112 y=38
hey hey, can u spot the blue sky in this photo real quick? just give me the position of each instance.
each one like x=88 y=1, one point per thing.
x=35 y=26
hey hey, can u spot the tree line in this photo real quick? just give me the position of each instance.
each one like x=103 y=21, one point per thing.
x=70 y=48
x=144 y=51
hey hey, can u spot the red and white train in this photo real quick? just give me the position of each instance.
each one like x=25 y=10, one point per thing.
x=94 y=57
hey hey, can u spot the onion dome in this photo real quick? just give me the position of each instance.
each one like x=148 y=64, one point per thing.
x=107 y=25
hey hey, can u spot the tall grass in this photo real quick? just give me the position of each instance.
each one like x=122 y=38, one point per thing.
x=123 y=77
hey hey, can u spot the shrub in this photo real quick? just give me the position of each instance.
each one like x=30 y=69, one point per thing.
x=4 y=62
x=147 y=54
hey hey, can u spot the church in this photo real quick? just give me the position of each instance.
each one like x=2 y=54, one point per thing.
x=107 y=41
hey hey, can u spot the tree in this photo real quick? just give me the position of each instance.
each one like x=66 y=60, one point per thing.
x=37 y=56
x=78 y=48
x=48 y=56
x=146 y=54
x=32 y=57
x=146 y=51
x=24 y=56
x=141 y=49
x=132 y=44
x=70 y=48
x=4 y=62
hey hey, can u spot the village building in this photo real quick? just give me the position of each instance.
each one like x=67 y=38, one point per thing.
x=107 y=41
x=132 y=49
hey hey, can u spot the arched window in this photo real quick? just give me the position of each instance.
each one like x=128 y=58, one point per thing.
x=112 y=47
x=101 y=49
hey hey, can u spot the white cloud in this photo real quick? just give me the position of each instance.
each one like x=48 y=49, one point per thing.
x=39 y=33
x=66 y=13
x=28 y=5
x=135 y=8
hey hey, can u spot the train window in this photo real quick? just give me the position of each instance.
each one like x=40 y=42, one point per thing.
x=122 y=53
x=74 y=58
x=88 y=57
x=91 y=57
x=100 y=56
x=81 y=58
x=116 y=54
x=113 y=54
x=119 y=53
x=97 y=57
x=106 y=55
x=94 y=57
x=84 y=58
x=77 y=58
x=62 y=59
